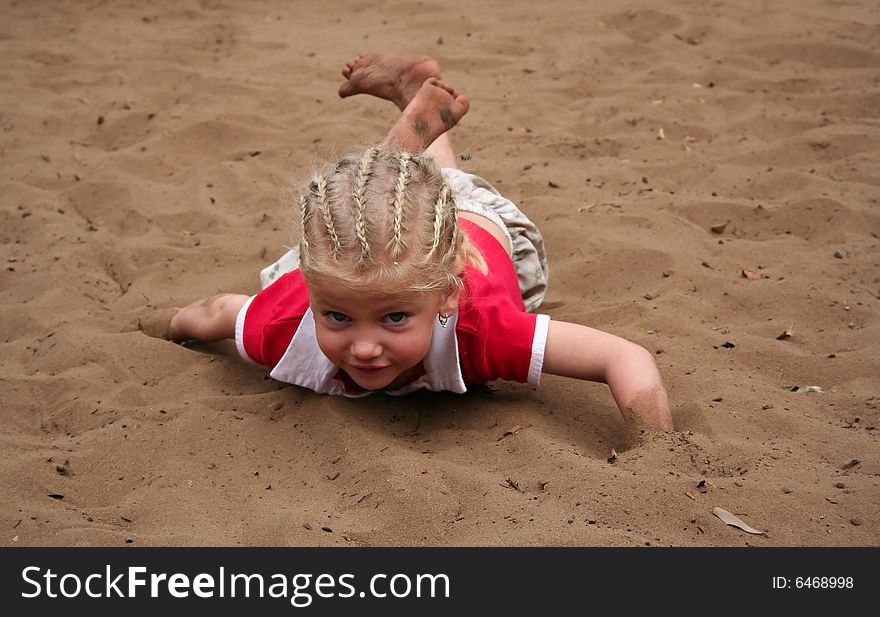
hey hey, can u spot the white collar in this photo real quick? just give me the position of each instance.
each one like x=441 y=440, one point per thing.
x=304 y=364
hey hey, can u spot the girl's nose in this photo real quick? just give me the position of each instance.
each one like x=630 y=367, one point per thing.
x=365 y=349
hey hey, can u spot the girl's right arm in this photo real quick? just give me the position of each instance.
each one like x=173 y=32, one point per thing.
x=211 y=319
x=581 y=352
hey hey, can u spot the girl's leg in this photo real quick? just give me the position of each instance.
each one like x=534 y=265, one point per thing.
x=402 y=79
x=211 y=319
x=429 y=108
x=442 y=152
x=435 y=109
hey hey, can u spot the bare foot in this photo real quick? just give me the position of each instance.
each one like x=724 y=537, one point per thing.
x=435 y=109
x=388 y=76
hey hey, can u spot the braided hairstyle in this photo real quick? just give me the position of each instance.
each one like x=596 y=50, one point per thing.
x=383 y=219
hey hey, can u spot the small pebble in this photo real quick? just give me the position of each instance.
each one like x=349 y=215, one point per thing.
x=855 y=521
x=327 y=529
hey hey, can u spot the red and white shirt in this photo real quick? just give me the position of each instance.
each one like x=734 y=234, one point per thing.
x=489 y=337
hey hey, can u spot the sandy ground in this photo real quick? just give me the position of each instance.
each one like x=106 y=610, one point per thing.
x=706 y=177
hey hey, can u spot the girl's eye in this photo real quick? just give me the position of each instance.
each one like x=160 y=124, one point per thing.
x=396 y=317
x=336 y=316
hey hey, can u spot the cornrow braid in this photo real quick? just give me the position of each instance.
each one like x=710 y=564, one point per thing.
x=303 y=217
x=403 y=178
x=439 y=210
x=364 y=170
x=319 y=190
x=453 y=222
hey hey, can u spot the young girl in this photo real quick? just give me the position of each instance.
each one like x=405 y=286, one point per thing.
x=413 y=274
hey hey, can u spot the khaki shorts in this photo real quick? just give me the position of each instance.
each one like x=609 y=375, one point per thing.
x=473 y=194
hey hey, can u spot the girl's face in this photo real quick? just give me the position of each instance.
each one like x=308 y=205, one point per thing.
x=376 y=341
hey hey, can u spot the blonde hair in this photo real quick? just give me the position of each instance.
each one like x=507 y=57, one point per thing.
x=383 y=219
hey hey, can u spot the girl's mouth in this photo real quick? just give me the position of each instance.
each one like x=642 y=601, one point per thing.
x=367 y=368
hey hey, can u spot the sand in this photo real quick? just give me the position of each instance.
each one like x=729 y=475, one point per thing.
x=706 y=179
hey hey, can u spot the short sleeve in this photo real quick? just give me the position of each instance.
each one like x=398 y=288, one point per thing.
x=269 y=320
x=497 y=341
x=497 y=338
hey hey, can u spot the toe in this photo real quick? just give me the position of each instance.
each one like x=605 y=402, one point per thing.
x=346 y=90
x=450 y=89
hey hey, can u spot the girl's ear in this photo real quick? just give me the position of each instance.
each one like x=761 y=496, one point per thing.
x=450 y=302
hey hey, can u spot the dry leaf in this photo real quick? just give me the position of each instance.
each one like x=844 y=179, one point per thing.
x=805 y=389
x=785 y=335
x=513 y=430
x=735 y=521
x=690 y=40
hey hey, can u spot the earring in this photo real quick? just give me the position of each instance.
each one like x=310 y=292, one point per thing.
x=443 y=319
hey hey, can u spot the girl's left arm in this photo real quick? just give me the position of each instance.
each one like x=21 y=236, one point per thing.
x=581 y=352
